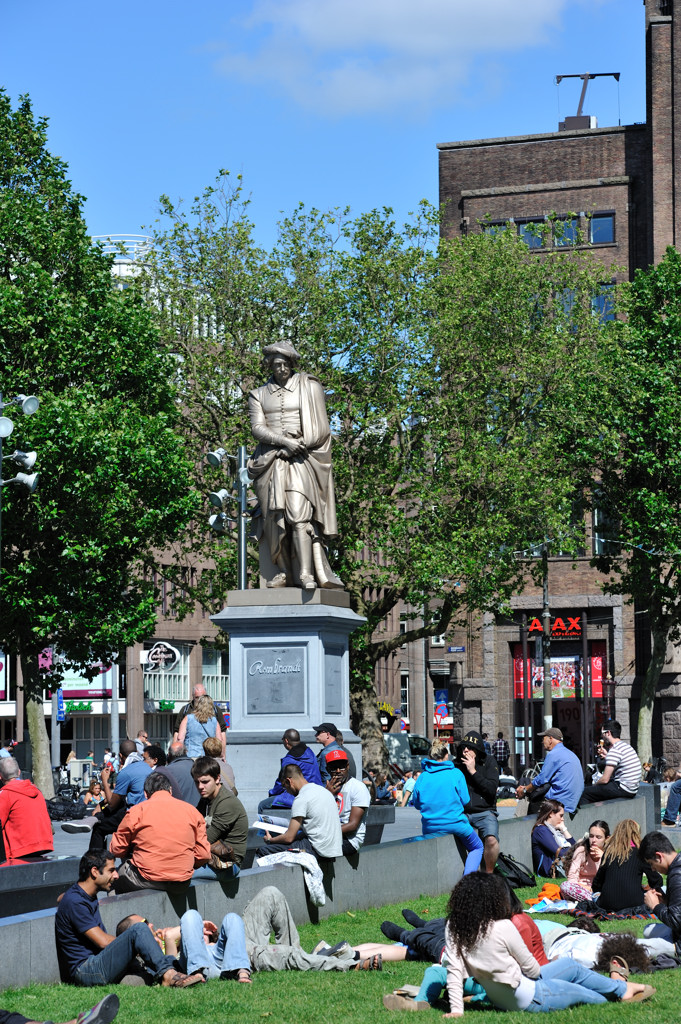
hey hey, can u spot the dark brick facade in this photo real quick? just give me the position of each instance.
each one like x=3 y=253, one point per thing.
x=631 y=172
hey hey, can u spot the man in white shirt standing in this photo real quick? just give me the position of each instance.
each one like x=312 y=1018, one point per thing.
x=315 y=825
x=353 y=800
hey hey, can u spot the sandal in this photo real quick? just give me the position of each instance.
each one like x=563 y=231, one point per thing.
x=647 y=993
x=372 y=963
x=240 y=974
x=178 y=980
x=618 y=965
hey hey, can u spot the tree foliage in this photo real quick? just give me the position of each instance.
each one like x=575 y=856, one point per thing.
x=637 y=454
x=452 y=373
x=114 y=476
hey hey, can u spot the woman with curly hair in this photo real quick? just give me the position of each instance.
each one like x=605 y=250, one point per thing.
x=198 y=726
x=582 y=862
x=551 y=840
x=619 y=879
x=440 y=794
x=482 y=942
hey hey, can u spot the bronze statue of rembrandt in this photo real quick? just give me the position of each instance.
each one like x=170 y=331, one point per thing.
x=292 y=475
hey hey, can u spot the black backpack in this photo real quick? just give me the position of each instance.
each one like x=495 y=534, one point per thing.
x=516 y=874
x=60 y=809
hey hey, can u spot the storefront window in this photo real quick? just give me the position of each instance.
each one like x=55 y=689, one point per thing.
x=215 y=675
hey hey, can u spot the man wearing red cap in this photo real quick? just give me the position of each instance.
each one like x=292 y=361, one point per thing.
x=353 y=800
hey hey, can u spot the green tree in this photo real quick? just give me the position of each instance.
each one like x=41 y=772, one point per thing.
x=114 y=475
x=443 y=365
x=638 y=458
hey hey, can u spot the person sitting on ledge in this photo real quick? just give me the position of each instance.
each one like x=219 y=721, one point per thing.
x=87 y=954
x=25 y=822
x=162 y=839
x=315 y=825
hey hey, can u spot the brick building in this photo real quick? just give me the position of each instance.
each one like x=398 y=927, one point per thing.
x=620 y=186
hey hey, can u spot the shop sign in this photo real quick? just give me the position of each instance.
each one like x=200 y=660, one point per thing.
x=570 y=626
x=162 y=657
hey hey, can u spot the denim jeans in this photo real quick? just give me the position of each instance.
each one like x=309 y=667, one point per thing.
x=108 y=966
x=216 y=873
x=227 y=954
x=564 y=983
x=673 y=803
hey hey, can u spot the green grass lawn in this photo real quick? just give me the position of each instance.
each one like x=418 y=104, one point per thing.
x=329 y=998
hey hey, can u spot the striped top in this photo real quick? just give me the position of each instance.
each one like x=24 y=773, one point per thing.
x=627 y=766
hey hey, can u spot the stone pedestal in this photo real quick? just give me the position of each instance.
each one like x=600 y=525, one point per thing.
x=289 y=669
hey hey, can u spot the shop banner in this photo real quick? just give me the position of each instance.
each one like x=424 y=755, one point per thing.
x=75 y=686
x=4 y=676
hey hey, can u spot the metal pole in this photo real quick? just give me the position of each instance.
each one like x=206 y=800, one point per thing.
x=241 y=523
x=546 y=636
x=579 y=702
x=587 y=689
x=526 y=693
x=56 y=731
x=113 y=710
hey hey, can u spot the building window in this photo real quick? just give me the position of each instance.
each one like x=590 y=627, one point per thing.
x=602 y=229
x=494 y=229
x=565 y=231
x=215 y=673
x=532 y=233
x=438 y=640
x=404 y=693
x=603 y=304
x=172 y=684
x=605 y=533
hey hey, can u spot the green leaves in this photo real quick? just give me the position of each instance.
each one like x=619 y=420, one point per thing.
x=114 y=475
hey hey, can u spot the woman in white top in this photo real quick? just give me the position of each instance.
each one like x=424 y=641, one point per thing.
x=481 y=942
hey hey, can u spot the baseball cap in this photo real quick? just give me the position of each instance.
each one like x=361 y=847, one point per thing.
x=555 y=734
x=336 y=755
x=325 y=727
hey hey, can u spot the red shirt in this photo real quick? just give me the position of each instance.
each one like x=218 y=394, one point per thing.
x=167 y=838
x=531 y=936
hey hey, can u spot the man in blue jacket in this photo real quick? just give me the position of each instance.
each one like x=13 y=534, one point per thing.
x=561 y=777
x=297 y=753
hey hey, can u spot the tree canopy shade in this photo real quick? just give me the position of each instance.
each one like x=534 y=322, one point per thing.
x=455 y=383
x=114 y=478
x=637 y=452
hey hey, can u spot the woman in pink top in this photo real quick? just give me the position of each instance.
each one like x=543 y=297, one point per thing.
x=583 y=861
x=483 y=943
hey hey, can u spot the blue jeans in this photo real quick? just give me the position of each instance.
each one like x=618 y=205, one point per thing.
x=673 y=803
x=216 y=873
x=227 y=954
x=112 y=963
x=564 y=983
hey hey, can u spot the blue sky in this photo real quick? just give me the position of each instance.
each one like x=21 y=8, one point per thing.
x=325 y=102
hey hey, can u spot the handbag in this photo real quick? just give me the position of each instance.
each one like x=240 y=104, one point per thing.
x=516 y=874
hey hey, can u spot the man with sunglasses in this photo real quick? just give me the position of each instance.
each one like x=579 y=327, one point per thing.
x=353 y=800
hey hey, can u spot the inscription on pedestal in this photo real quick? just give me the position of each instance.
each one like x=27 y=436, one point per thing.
x=275 y=680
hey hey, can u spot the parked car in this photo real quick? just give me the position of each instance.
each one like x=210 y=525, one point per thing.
x=406 y=750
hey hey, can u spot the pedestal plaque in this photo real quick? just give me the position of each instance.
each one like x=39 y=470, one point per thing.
x=289 y=668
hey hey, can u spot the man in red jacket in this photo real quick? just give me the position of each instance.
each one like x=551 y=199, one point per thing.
x=26 y=825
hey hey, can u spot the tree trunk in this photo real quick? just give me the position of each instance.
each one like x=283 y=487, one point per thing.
x=366 y=724
x=648 y=690
x=37 y=729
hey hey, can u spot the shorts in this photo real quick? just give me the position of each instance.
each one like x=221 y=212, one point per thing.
x=486 y=823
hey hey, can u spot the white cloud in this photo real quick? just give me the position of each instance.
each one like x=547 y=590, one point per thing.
x=368 y=56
